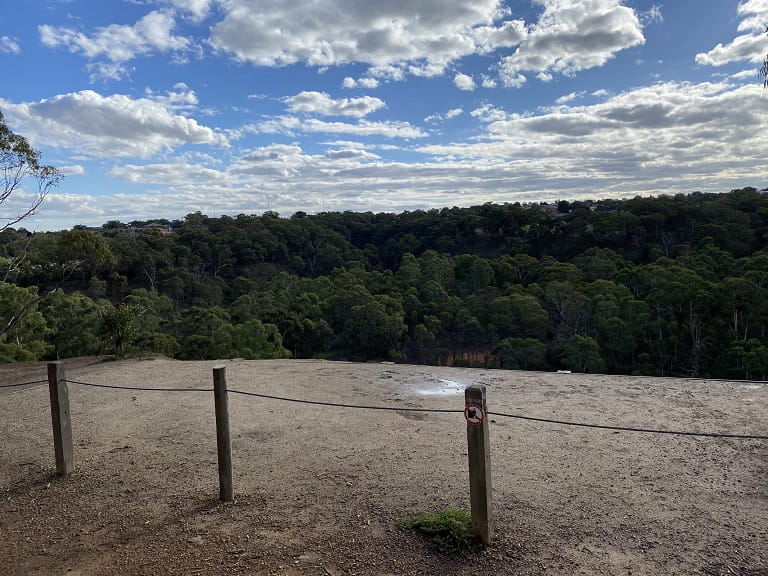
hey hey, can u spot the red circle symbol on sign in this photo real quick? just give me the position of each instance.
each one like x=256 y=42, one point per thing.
x=474 y=414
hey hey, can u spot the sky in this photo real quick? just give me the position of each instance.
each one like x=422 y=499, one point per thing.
x=160 y=108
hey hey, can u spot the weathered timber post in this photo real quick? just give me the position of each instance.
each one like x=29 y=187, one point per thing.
x=62 y=426
x=223 y=444
x=479 y=452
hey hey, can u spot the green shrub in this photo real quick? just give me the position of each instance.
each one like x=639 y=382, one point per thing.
x=449 y=530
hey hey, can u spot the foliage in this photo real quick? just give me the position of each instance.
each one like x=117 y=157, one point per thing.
x=582 y=354
x=520 y=354
x=672 y=285
x=450 y=530
x=73 y=321
x=23 y=326
x=120 y=326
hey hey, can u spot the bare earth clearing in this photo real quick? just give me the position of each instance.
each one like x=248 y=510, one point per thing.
x=320 y=490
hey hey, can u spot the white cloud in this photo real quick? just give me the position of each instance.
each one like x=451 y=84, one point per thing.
x=464 y=82
x=197 y=10
x=107 y=71
x=9 y=45
x=437 y=118
x=390 y=129
x=74 y=170
x=654 y=139
x=395 y=39
x=388 y=73
x=755 y=14
x=322 y=103
x=748 y=73
x=276 y=162
x=564 y=99
x=292 y=125
x=420 y=36
x=665 y=138
x=652 y=15
x=168 y=174
x=350 y=154
x=489 y=113
x=488 y=82
x=426 y=69
x=750 y=46
x=110 y=126
x=181 y=97
x=515 y=80
x=365 y=82
x=120 y=43
x=346 y=144
x=573 y=35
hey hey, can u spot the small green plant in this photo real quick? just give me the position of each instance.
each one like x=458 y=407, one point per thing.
x=449 y=530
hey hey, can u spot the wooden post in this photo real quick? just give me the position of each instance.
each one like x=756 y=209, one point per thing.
x=479 y=452
x=62 y=426
x=223 y=444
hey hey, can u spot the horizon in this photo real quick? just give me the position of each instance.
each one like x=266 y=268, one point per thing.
x=180 y=220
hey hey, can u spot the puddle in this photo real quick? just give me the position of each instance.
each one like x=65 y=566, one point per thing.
x=441 y=388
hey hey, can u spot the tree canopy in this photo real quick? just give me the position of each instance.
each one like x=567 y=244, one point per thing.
x=671 y=285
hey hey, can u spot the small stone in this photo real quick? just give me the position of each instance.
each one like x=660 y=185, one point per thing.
x=310 y=557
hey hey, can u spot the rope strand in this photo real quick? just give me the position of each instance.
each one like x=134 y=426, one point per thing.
x=355 y=406
x=137 y=389
x=23 y=384
x=432 y=410
x=630 y=429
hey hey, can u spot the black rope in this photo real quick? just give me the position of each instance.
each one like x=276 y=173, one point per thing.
x=269 y=397
x=630 y=429
x=356 y=406
x=435 y=410
x=23 y=384
x=139 y=389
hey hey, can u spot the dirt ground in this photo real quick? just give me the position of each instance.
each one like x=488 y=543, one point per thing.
x=321 y=490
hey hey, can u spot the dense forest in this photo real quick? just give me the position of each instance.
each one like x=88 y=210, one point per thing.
x=670 y=285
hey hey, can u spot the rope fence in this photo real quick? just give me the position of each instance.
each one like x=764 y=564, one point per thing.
x=435 y=410
x=400 y=409
x=475 y=413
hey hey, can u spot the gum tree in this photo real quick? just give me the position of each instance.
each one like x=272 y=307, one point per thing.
x=24 y=180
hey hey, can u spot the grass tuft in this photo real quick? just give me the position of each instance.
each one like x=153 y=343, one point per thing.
x=450 y=530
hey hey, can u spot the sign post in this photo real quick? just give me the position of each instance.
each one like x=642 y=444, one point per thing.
x=479 y=453
x=62 y=425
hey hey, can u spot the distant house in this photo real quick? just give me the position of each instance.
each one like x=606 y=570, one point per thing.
x=548 y=208
x=164 y=229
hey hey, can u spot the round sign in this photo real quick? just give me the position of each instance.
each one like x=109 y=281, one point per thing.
x=474 y=414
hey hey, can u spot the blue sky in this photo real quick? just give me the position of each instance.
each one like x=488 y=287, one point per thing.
x=159 y=108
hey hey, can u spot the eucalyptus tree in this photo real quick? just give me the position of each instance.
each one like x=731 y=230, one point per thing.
x=21 y=164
